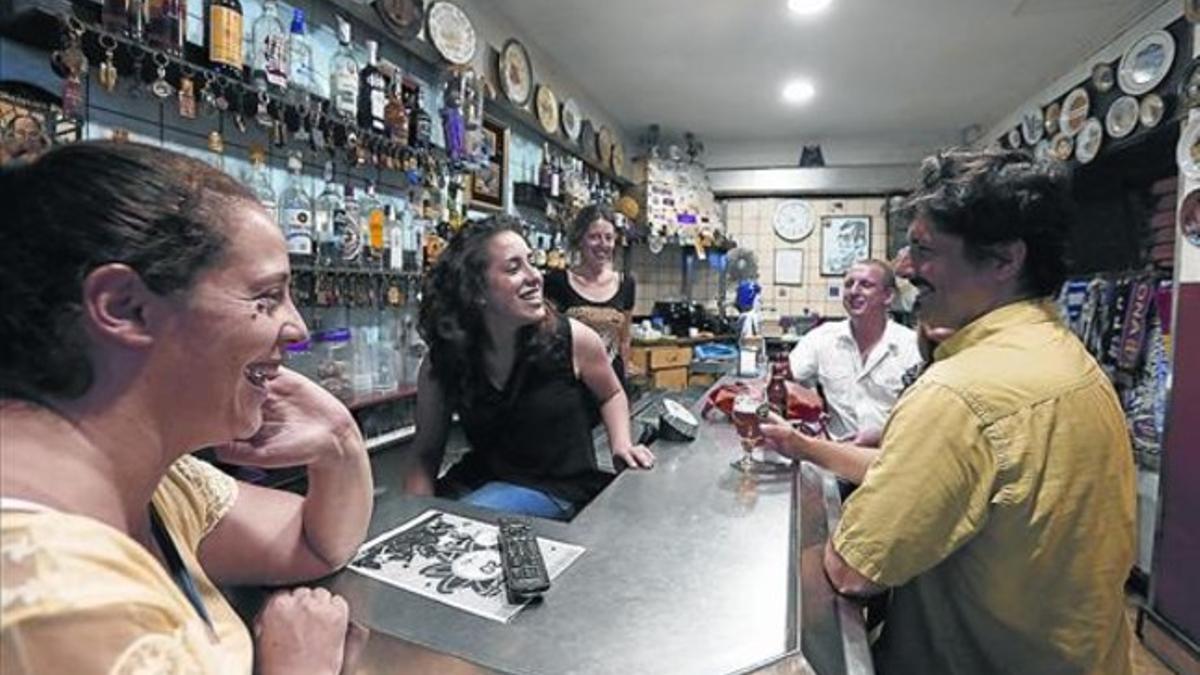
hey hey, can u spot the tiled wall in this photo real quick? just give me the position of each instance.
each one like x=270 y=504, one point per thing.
x=749 y=222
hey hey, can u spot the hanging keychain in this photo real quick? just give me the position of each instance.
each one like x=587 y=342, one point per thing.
x=160 y=87
x=108 y=69
x=187 y=97
x=71 y=64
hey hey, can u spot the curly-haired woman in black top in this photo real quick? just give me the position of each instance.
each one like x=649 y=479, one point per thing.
x=524 y=381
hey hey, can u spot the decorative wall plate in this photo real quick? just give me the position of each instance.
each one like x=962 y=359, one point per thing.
x=618 y=159
x=604 y=146
x=1122 y=117
x=587 y=140
x=1087 y=144
x=1189 y=218
x=403 y=18
x=1187 y=153
x=1146 y=62
x=1151 y=110
x=1062 y=146
x=450 y=30
x=1041 y=151
x=1053 y=112
x=1074 y=111
x=516 y=73
x=1014 y=138
x=1189 y=85
x=546 y=107
x=571 y=120
x=1033 y=126
x=1102 y=77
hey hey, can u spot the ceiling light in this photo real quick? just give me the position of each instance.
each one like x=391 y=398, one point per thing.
x=808 y=6
x=798 y=91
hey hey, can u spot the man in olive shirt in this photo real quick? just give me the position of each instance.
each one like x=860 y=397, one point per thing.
x=1000 y=508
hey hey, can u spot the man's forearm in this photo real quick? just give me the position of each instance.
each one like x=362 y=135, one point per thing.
x=846 y=460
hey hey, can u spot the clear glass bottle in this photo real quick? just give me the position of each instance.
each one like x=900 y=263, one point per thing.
x=395 y=116
x=296 y=209
x=259 y=181
x=300 y=56
x=166 y=25
x=269 y=48
x=395 y=239
x=372 y=91
x=343 y=75
x=325 y=206
x=346 y=228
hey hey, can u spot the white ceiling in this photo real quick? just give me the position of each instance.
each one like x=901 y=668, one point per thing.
x=911 y=70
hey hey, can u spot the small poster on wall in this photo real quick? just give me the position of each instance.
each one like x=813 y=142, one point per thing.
x=789 y=266
x=844 y=241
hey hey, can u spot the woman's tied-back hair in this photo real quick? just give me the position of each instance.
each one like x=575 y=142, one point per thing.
x=451 y=315
x=81 y=206
x=991 y=197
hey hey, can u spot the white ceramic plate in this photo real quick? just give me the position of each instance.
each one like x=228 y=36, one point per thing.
x=1087 y=144
x=516 y=74
x=1151 y=110
x=1146 y=62
x=1014 y=138
x=571 y=120
x=1187 y=153
x=1074 y=111
x=451 y=32
x=1062 y=146
x=1122 y=117
x=1033 y=127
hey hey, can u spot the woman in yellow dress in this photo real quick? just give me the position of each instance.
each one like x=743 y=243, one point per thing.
x=146 y=309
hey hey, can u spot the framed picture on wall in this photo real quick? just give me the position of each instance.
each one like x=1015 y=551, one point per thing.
x=844 y=241
x=488 y=183
x=789 y=266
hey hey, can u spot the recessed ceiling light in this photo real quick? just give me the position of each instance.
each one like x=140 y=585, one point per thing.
x=808 y=6
x=798 y=91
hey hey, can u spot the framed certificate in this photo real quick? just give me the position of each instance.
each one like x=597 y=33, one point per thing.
x=789 y=266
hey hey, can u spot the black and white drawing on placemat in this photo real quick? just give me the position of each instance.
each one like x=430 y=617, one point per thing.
x=452 y=559
x=844 y=241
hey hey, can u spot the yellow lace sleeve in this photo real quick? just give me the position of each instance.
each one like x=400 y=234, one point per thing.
x=195 y=495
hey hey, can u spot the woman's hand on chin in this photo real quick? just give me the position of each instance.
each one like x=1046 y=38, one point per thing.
x=303 y=424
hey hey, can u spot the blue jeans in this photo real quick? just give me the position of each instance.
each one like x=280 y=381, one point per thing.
x=513 y=498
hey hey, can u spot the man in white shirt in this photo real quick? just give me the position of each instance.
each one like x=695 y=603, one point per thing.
x=859 y=363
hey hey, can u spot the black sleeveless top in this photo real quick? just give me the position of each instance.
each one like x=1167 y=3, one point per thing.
x=537 y=431
x=606 y=318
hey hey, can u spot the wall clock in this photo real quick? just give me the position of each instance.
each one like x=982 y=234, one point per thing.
x=794 y=220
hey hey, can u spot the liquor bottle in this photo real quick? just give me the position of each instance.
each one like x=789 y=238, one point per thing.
x=269 y=49
x=259 y=182
x=326 y=205
x=166 y=25
x=346 y=228
x=343 y=75
x=115 y=16
x=556 y=179
x=296 y=206
x=300 y=57
x=544 y=169
x=395 y=116
x=420 y=123
x=395 y=240
x=777 y=389
x=372 y=221
x=372 y=92
x=223 y=36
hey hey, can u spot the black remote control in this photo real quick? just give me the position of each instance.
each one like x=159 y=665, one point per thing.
x=525 y=576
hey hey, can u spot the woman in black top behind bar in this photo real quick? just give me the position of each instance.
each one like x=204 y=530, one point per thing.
x=592 y=291
x=524 y=381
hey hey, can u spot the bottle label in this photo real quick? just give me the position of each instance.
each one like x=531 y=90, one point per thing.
x=275 y=59
x=375 y=228
x=396 y=249
x=378 y=103
x=345 y=90
x=225 y=30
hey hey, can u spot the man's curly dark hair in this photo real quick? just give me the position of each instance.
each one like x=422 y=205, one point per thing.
x=451 y=315
x=991 y=197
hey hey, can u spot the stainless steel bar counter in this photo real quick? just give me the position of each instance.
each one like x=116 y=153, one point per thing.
x=691 y=567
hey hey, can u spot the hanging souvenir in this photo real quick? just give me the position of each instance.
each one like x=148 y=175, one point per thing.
x=516 y=73
x=546 y=107
x=451 y=32
x=1053 y=112
x=1122 y=117
x=454 y=127
x=1103 y=78
x=1146 y=62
